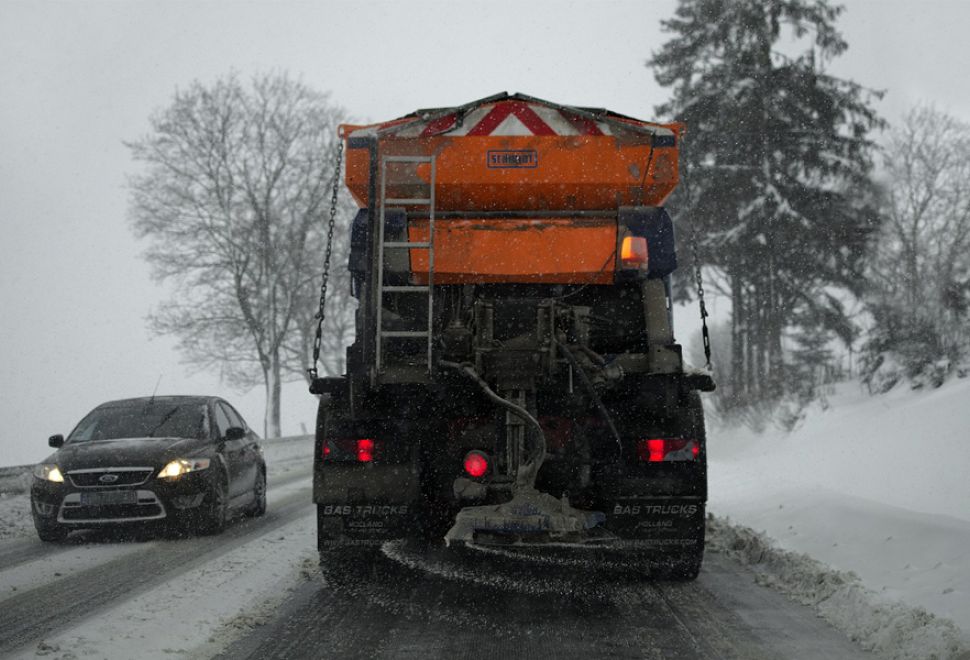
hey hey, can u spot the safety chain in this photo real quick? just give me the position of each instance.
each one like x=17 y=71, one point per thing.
x=692 y=239
x=335 y=184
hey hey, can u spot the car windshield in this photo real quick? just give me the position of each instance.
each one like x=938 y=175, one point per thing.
x=142 y=420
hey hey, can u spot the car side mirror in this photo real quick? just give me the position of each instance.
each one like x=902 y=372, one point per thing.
x=56 y=440
x=235 y=433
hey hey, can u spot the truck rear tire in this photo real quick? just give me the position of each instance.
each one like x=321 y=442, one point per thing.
x=347 y=566
x=687 y=564
x=688 y=568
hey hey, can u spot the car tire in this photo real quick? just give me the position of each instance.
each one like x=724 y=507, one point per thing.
x=216 y=509
x=52 y=533
x=258 y=507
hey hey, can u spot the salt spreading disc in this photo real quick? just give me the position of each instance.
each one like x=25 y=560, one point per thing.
x=529 y=514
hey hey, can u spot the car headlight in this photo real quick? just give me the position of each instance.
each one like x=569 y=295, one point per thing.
x=181 y=466
x=49 y=472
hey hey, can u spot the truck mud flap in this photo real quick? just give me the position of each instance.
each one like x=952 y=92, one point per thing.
x=369 y=523
x=662 y=524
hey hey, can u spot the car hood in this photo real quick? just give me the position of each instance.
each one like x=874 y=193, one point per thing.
x=127 y=452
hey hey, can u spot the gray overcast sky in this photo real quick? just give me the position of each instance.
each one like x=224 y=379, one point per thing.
x=77 y=78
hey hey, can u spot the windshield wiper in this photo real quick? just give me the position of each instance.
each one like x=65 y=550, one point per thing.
x=168 y=415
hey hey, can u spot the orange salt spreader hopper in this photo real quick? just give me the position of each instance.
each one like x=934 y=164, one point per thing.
x=525 y=190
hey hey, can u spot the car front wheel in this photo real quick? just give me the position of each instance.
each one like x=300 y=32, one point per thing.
x=52 y=533
x=216 y=509
x=258 y=507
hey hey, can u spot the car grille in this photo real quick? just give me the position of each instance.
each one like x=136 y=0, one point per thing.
x=145 y=505
x=115 y=512
x=92 y=478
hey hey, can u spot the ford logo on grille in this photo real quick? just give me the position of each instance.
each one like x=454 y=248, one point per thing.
x=108 y=478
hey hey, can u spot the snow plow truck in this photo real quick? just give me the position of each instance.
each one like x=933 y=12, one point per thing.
x=514 y=378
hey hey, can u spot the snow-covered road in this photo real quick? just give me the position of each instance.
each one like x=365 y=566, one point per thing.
x=256 y=591
x=112 y=596
x=423 y=603
x=832 y=535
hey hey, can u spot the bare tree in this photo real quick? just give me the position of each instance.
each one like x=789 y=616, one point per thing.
x=338 y=327
x=234 y=198
x=920 y=270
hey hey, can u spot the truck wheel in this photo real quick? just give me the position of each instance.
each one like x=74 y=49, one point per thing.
x=435 y=522
x=687 y=565
x=349 y=566
x=687 y=568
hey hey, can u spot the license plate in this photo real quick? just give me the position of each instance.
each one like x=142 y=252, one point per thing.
x=111 y=498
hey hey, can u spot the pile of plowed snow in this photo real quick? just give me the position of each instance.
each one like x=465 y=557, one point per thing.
x=874 y=488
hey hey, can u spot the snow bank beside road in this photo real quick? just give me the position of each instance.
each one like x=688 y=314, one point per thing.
x=886 y=627
x=909 y=449
x=875 y=486
x=15 y=515
x=281 y=453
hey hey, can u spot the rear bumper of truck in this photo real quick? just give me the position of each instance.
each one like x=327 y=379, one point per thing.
x=370 y=504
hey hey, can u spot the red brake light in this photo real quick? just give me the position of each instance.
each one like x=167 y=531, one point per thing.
x=365 y=450
x=655 y=451
x=658 y=450
x=476 y=464
x=352 y=450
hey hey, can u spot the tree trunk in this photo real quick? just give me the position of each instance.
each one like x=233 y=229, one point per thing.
x=737 y=338
x=271 y=421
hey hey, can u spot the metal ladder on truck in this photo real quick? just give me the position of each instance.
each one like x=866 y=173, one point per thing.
x=383 y=245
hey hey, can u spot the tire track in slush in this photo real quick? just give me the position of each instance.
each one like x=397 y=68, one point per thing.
x=413 y=602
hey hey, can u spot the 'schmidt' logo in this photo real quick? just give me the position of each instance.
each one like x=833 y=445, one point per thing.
x=108 y=478
x=512 y=158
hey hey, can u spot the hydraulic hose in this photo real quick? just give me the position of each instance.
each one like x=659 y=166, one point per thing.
x=516 y=410
x=588 y=384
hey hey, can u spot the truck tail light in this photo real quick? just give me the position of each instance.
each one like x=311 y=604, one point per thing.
x=365 y=450
x=476 y=463
x=347 y=450
x=633 y=252
x=659 y=450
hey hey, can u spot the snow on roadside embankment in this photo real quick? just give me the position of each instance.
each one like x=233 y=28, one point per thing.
x=15 y=515
x=876 y=490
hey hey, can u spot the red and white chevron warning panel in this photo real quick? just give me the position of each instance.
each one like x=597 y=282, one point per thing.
x=515 y=115
x=508 y=118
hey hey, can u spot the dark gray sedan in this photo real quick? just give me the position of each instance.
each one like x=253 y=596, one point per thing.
x=190 y=461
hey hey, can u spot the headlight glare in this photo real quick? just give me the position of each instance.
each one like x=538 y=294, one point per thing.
x=49 y=472
x=181 y=466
